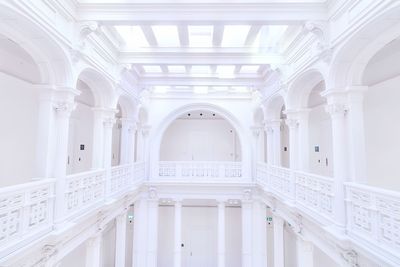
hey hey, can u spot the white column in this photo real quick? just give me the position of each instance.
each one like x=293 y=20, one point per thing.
x=337 y=110
x=139 y=233
x=120 y=240
x=357 y=134
x=93 y=256
x=293 y=124
x=152 y=232
x=279 y=255
x=247 y=234
x=256 y=148
x=221 y=234
x=63 y=109
x=259 y=234
x=270 y=144
x=126 y=141
x=277 y=149
x=108 y=123
x=98 y=138
x=303 y=140
x=305 y=250
x=178 y=234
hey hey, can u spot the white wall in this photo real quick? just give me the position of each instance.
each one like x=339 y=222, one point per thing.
x=290 y=248
x=19 y=120
x=108 y=246
x=77 y=257
x=200 y=140
x=199 y=236
x=320 y=134
x=321 y=259
x=116 y=144
x=285 y=155
x=382 y=132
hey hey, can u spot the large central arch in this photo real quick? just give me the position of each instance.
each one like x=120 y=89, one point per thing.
x=158 y=133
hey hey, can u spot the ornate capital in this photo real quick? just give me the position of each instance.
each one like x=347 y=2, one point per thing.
x=336 y=109
x=292 y=123
x=247 y=194
x=64 y=107
x=109 y=122
x=153 y=195
x=256 y=130
x=350 y=257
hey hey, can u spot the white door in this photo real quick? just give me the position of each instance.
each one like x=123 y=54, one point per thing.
x=197 y=250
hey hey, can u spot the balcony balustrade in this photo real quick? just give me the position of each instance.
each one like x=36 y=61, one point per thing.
x=199 y=170
x=26 y=210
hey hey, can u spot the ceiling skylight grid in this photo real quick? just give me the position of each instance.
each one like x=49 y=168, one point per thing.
x=200 y=36
x=166 y=35
x=132 y=35
x=152 y=69
x=235 y=35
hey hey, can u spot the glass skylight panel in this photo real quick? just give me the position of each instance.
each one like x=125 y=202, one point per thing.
x=240 y=89
x=166 y=35
x=200 y=36
x=132 y=35
x=200 y=89
x=152 y=69
x=270 y=35
x=176 y=69
x=249 y=69
x=160 y=89
x=226 y=71
x=235 y=35
x=200 y=69
x=220 y=88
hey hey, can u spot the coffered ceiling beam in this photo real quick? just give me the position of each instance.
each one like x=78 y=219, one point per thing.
x=200 y=59
x=198 y=13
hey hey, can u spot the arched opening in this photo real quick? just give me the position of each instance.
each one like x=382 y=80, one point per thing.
x=19 y=112
x=381 y=110
x=314 y=130
x=200 y=135
x=80 y=143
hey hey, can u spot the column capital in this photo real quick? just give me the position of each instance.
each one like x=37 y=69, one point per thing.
x=256 y=130
x=336 y=109
x=292 y=123
x=152 y=194
x=64 y=107
x=274 y=123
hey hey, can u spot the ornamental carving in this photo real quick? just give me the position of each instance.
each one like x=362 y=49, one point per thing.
x=64 y=107
x=350 y=257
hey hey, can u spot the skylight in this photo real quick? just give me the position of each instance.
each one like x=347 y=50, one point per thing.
x=152 y=69
x=269 y=36
x=132 y=35
x=249 y=69
x=176 y=69
x=200 y=36
x=235 y=35
x=226 y=71
x=200 y=69
x=166 y=35
x=160 y=89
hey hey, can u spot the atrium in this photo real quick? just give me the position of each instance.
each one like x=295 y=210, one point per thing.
x=199 y=133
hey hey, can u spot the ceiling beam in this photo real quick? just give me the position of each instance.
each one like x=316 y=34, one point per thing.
x=200 y=82
x=252 y=35
x=149 y=34
x=218 y=34
x=164 y=68
x=276 y=12
x=200 y=58
x=183 y=35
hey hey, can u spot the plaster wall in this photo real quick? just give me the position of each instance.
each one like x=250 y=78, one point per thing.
x=320 y=135
x=285 y=153
x=200 y=140
x=19 y=118
x=108 y=246
x=76 y=258
x=116 y=145
x=381 y=110
x=290 y=249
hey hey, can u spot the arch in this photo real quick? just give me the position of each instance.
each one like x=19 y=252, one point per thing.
x=127 y=106
x=351 y=58
x=51 y=58
x=158 y=133
x=274 y=106
x=102 y=88
x=300 y=89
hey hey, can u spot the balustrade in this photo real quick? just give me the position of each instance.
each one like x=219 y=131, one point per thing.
x=26 y=212
x=121 y=179
x=204 y=170
x=373 y=214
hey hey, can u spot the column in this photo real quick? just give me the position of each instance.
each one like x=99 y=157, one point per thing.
x=120 y=240
x=98 y=138
x=303 y=140
x=279 y=255
x=178 y=234
x=256 y=148
x=357 y=134
x=152 y=231
x=221 y=234
x=305 y=250
x=270 y=144
x=126 y=141
x=276 y=130
x=63 y=109
x=108 y=123
x=247 y=220
x=293 y=124
x=140 y=144
x=93 y=255
x=259 y=234
x=337 y=110
x=139 y=233
x=133 y=131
